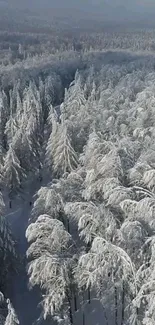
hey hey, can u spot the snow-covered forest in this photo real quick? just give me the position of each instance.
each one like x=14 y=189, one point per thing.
x=77 y=178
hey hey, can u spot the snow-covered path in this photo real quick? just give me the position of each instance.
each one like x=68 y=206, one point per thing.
x=25 y=301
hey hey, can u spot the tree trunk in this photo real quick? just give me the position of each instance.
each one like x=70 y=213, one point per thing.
x=116 y=307
x=88 y=246
x=40 y=178
x=104 y=310
x=106 y=317
x=70 y=311
x=83 y=303
x=10 y=204
x=89 y=298
x=40 y=175
x=75 y=302
x=137 y=312
x=68 y=226
x=61 y=217
x=123 y=304
x=83 y=318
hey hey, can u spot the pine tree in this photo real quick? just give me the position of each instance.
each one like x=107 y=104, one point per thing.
x=13 y=173
x=11 y=129
x=23 y=149
x=53 y=139
x=64 y=157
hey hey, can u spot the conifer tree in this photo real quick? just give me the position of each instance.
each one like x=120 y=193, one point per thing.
x=13 y=173
x=60 y=151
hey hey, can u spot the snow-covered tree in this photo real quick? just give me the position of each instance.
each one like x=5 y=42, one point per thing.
x=132 y=237
x=57 y=239
x=70 y=186
x=107 y=166
x=60 y=150
x=93 y=220
x=3 y=309
x=74 y=97
x=50 y=264
x=11 y=129
x=91 y=151
x=13 y=173
x=11 y=318
x=48 y=202
x=24 y=151
x=106 y=269
x=53 y=139
x=94 y=138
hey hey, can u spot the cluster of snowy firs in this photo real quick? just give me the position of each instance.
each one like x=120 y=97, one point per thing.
x=92 y=230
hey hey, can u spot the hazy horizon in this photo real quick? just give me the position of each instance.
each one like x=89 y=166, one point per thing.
x=110 y=10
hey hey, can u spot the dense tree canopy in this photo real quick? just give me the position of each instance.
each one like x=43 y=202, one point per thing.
x=77 y=131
